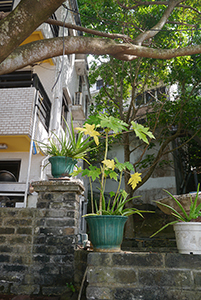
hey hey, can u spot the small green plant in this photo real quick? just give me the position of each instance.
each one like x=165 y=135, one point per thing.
x=194 y=211
x=68 y=145
x=104 y=127
x=71 y=286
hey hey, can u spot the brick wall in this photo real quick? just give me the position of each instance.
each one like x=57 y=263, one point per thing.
x=37 y=245
x=143 y=276
x=16 y=111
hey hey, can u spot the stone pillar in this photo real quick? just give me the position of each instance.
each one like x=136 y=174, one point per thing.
x=56 y=233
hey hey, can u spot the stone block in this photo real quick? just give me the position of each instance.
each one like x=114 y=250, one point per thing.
x=197 y=279
x=5 y=248
x=145 y=259
x=41 y=258
x=2 y=239
x=7 y=230
x=60 y=222
x=50 y=250
x=24 y=230
x=51 y=269
x=57 y=240
x=40 y=222
x=69 y=231
x=53 y=290
x=182 y=261
x=108 y=275
x=71 y=205
x=4 y=287
x=23 y=259
x=14 y=268
x=154 y=293
x=165 y=277
x=72 y=214
x=39 y=240
x=42 y=204
x=18 y=239
x=4 y=258
x=51 y=231
x=25 y=289
x=99 y=293
x=18 y=222
x=55 y=213
x=99 y=259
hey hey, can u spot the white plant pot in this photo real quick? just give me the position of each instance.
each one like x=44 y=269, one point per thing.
x=188 y=237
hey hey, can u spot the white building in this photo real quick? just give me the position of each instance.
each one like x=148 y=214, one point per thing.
x=33 y=102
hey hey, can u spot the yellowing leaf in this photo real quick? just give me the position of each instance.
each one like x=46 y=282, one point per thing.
x=89 y=129
x=135 y=179
x=110 y=164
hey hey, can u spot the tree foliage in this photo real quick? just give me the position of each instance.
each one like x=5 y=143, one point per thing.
x=127 y=30
x=125 y=82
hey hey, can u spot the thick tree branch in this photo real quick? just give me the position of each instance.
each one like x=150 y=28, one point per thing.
x=34 y=52
x=21 y=22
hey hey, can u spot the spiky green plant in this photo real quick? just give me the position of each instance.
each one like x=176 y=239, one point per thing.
x=194 y=210
x=68 y=144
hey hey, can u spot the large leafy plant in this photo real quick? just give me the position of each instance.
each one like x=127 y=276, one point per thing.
x=104 y=126
x=68 y=144
x=193 y=213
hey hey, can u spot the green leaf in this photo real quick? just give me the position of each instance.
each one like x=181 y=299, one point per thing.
x=113 y=175
x=92 y=172
x=113 y=123
x=142 y=132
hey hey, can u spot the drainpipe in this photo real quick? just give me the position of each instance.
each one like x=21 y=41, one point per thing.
x=42 y=167
x=31 y=148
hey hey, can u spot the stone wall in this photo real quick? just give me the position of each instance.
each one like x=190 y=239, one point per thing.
x=37 y=246
x=143 y=276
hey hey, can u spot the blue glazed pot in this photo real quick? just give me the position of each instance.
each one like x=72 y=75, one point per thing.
x=106 y=232
x=62 y=166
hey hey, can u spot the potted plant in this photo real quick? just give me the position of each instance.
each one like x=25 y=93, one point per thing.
x=65 y=150
x=187 y=225
x=106 y=221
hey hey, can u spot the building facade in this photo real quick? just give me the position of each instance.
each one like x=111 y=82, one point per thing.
x=33 y=103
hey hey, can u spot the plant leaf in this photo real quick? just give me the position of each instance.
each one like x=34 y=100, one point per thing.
x=134 y=180
x=142 y=132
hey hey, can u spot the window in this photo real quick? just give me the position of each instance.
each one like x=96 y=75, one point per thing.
x=80 y=84
x=99 y=84
x=64 y=111
x=44 y=104
x=6 y=5
x=161 y=94
x=86 y=106
x=139 y=100
x=9 y=170
x=54 y=28
x=16 y=79
x=150 y=96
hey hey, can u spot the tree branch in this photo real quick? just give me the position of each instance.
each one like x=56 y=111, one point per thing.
x=90 y=31
x=156 y=29
x=21 y=22
x=34 y=52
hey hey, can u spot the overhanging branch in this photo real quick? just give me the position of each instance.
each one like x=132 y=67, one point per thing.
x=34 y=52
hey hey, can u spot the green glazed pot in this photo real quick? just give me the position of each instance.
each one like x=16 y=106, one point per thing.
x=62 y=166
x=106 y=232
